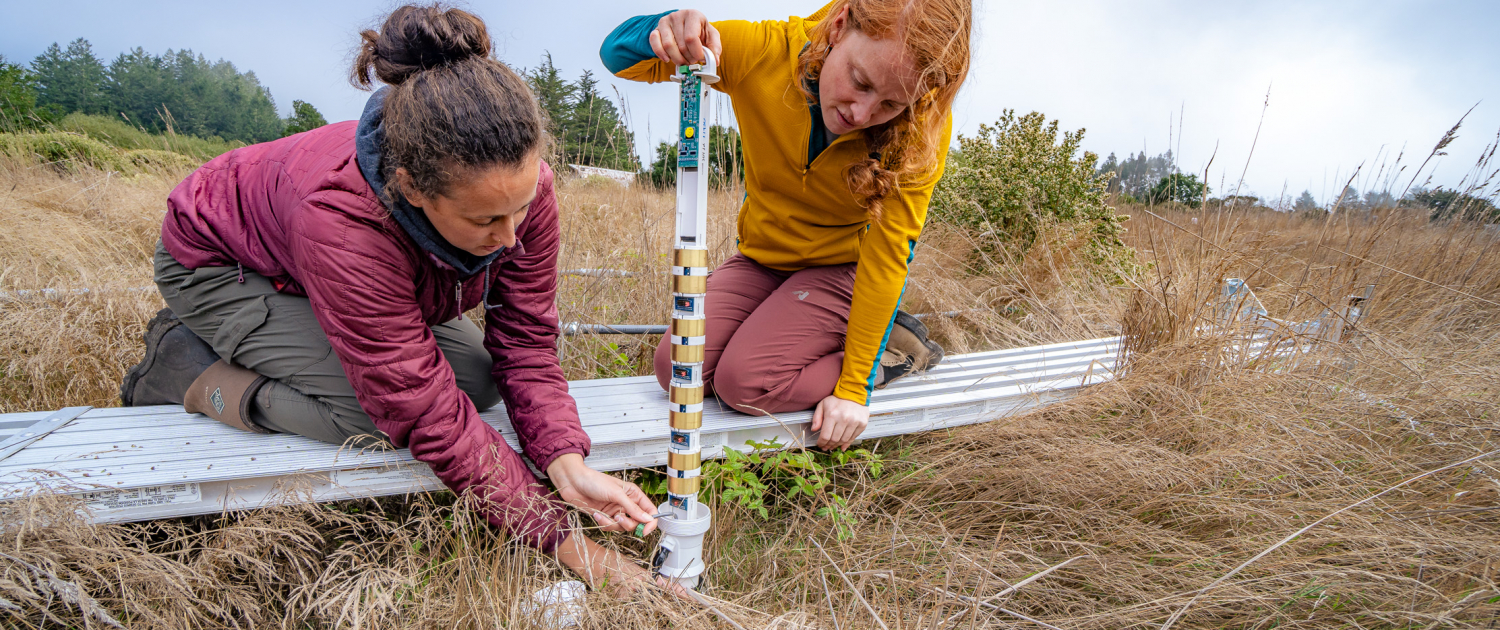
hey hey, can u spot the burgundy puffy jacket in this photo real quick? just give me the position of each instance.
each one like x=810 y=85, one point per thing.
x=298 y=211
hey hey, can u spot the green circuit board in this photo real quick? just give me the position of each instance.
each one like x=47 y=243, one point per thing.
x=689 y=119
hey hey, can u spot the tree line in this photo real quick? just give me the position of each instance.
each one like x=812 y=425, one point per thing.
x=182 y=92
x=178 y=92
x=1157 y=180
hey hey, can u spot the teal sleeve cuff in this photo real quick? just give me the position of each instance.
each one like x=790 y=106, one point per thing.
x=630 y=42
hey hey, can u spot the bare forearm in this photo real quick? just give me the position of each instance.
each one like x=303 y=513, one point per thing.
x=584 y=557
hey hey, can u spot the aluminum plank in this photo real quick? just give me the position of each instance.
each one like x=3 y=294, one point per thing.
x=157 y=462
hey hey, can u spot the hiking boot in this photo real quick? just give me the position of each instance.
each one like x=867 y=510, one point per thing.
x=907 y=351
x=174 y=358
x=224 y=392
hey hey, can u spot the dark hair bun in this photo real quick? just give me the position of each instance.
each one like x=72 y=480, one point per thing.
x=416 y=38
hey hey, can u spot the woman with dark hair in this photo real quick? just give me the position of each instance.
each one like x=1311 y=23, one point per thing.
x=329 y=272
x=846 y=117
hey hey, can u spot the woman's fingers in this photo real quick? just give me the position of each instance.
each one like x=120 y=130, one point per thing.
x=691 y=37
x=828 y=435
x=609 y=523
x=636 y=505
x=680 y=37
x=711 y=39
x=644 y=502
x=656 y=46
x=840 y=439
x=672 y=587
x=843 y=422
x=828 y=421
x=838 y=424
x=670 y=29
x=852 y=430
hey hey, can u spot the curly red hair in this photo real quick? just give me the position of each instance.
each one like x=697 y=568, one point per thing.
x=935 y=34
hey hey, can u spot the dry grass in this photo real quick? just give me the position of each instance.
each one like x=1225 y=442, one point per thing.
x=1161 y=483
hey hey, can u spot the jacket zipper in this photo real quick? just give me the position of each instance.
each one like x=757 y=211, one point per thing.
x=458 y=297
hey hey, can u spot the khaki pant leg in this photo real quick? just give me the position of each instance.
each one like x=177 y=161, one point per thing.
x=252 y=325
x=462 y=343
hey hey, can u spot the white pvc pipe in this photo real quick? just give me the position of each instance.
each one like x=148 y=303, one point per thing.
x=681 y=555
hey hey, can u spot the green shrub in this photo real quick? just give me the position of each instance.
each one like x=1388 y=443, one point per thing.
x=152 y=159
x=61 y=149
x=1016 y=176
x=1445 y=204
x=772 y=476
x=69 y=151
x=116 y=132
x=1180 y=188
x=304 y=117
x=18 y=98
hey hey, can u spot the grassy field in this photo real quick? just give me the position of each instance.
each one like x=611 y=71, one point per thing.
x=1174 y=490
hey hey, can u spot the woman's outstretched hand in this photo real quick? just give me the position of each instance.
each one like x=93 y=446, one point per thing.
x=617 y=505
x=606 y=568
x=680 y=36
x=839 y=422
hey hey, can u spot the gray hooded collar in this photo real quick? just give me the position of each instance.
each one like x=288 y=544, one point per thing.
x=369 y=144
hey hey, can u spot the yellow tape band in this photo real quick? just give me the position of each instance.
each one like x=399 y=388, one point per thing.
x=687 y=354
x=689 y=258
x=687 y=395
x=682 y=486
x=686 y=421
x=684 y=461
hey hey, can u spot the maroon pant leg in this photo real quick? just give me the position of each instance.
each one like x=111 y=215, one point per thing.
x=787 y=356
x=775 y=339
x=735 y=289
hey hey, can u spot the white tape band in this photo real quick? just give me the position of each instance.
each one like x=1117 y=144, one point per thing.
x=683 y=474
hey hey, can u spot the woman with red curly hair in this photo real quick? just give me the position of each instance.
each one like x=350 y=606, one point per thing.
x=846 y=116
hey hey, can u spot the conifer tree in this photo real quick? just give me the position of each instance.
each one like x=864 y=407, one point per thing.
x=304 y=117
x=71 y=79
x=17 y=96
x=182 y=92
x=1306 y=203
x=553 y=93
x=593 y=134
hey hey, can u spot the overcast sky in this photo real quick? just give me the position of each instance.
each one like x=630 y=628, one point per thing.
x=1350 y=82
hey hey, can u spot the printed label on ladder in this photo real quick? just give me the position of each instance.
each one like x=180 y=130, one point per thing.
x=143 y=497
